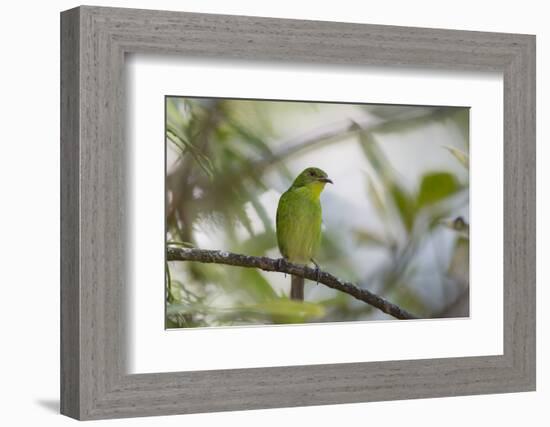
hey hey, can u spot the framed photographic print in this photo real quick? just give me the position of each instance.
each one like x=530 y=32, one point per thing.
x=303 y=212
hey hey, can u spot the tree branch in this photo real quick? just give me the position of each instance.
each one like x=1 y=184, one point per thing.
x=282 y=266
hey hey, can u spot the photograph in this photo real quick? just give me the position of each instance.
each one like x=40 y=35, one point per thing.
x=366 y=204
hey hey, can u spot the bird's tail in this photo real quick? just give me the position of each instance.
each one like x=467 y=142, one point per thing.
x=297 y=288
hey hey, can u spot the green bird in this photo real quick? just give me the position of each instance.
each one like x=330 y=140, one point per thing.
x=299 y=218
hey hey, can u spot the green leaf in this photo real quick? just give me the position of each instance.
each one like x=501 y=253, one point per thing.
x=177 y=136
x=460 y=155
x=376 y=197
x=284 y=310
x=436 y=186
x=177 y=143
x=405 y=205
x=255 y=285
x=174 y=291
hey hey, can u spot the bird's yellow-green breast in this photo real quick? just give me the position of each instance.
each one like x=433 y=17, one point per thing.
x=299 y=216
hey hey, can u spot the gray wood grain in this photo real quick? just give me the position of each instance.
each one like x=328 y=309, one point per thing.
x=95 y=275
x=70 y=315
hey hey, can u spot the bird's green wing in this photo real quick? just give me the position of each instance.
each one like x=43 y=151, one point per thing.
x=283 y=217
x=298 y=225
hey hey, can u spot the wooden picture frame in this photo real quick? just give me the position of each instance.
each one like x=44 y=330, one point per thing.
x=94 y=382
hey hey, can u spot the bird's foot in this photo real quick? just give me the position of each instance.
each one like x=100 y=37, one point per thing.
x=317 y=270
x=279 y=264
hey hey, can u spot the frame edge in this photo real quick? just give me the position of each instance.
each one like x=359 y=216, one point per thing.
x=70 y=395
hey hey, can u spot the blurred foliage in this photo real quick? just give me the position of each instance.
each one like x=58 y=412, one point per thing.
x=223 y=157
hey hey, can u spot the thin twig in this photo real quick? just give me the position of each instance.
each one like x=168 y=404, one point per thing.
x=282 y=266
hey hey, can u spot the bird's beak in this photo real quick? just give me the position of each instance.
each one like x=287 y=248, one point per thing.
x=325 y=180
